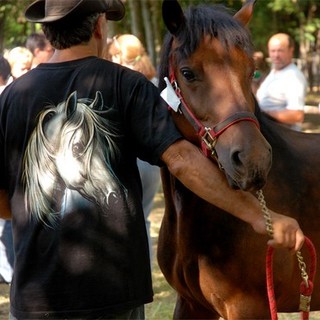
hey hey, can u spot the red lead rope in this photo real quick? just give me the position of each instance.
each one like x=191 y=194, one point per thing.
x=306 y=286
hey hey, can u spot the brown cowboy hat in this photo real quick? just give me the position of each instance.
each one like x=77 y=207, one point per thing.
x=52 y=10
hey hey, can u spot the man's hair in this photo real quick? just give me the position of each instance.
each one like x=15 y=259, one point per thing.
x=66 y=33
x=18 y=54
x=282 y=36
x=132 y=54
x=36 y=40
x=5 y=69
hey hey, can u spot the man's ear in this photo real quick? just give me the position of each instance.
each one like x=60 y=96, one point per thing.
x=98 y=31
x=36 y=52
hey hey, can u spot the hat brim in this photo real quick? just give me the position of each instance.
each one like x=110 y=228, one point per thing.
x=114 y=9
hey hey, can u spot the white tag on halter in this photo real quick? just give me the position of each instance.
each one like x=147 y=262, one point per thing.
x=169 y=96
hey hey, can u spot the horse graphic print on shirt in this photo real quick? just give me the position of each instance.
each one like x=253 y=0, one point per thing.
x=68 y=160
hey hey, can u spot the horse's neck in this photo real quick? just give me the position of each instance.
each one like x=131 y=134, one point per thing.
x=290 y=146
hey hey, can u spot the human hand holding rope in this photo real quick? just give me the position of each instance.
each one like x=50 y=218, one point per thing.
x=294 y=237
x=284 y=231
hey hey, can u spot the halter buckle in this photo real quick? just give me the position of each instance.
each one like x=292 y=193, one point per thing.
x=209 y=141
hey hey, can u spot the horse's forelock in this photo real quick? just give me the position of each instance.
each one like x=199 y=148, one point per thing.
x=216 y=21
x=202 y=20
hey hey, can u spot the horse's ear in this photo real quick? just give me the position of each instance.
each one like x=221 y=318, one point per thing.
x=97 y=103
x=173 y=16
x=71 y=104
x=244 y=15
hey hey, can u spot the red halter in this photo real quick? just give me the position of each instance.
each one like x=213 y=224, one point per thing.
x=208 y=135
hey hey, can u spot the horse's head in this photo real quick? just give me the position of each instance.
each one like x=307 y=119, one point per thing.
x=207 y=56
x=73 y=145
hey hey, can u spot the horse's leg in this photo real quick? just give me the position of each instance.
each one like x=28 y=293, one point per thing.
x=185 y=310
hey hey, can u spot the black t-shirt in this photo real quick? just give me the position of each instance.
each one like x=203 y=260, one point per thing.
x=69 y=137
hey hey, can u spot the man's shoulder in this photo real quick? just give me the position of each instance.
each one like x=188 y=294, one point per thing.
x=290 y=72
x=293 y=73
x=292 y=68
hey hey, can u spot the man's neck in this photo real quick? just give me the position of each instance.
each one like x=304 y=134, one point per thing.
x=2 y=82
x=73 y=53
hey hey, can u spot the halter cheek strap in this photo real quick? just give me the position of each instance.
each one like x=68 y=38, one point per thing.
x=209 y=135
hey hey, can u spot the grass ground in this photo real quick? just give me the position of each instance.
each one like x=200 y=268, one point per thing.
x=164 y=296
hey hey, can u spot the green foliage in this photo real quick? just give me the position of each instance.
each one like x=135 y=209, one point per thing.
x=287 y=6
x=297 y=17
x=14 y=28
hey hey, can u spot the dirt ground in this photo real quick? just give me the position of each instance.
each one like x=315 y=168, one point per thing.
x=311 y=120
x=4 y=301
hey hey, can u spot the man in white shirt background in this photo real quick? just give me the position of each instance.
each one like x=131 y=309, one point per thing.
x=282 y=93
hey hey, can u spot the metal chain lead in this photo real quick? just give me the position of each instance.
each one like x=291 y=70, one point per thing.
x=266 y=213
x=267 y=216
x=302 y=267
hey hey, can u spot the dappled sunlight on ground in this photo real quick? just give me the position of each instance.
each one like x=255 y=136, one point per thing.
x=4 y=301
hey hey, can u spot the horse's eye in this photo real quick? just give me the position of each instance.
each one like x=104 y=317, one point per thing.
x=77 y=149
x=188 y=74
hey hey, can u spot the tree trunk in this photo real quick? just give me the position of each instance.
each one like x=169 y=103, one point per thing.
x=157 y=27
x=146 y=18
x=135 y=10
x=2 y=24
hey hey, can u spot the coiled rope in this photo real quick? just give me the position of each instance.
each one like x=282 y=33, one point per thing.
x=306 y=286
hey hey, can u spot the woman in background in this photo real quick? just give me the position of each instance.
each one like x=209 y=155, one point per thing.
x=20 y=60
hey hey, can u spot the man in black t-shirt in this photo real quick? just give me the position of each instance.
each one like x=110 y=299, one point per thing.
x=70 y=133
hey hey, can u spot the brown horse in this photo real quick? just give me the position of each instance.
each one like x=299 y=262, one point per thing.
x=214 y=261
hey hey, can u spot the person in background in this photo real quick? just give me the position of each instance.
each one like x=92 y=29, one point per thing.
x=5 y=72
x=6 y=245
x=129 y=51
x=261 y=71
x=70 y=134
x=20 y=60
x=282 y=94
x=6 y=251
x=40 y=47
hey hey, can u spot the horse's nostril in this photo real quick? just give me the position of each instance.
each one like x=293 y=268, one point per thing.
x=112 y=199
x=236 y=158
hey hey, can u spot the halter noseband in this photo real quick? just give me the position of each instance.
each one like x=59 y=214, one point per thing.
x=208 y=135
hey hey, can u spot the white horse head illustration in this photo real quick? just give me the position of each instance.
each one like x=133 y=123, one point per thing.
x=72 y=147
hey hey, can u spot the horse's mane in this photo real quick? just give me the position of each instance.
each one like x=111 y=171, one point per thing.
x=202 y=20
x=41 y=179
